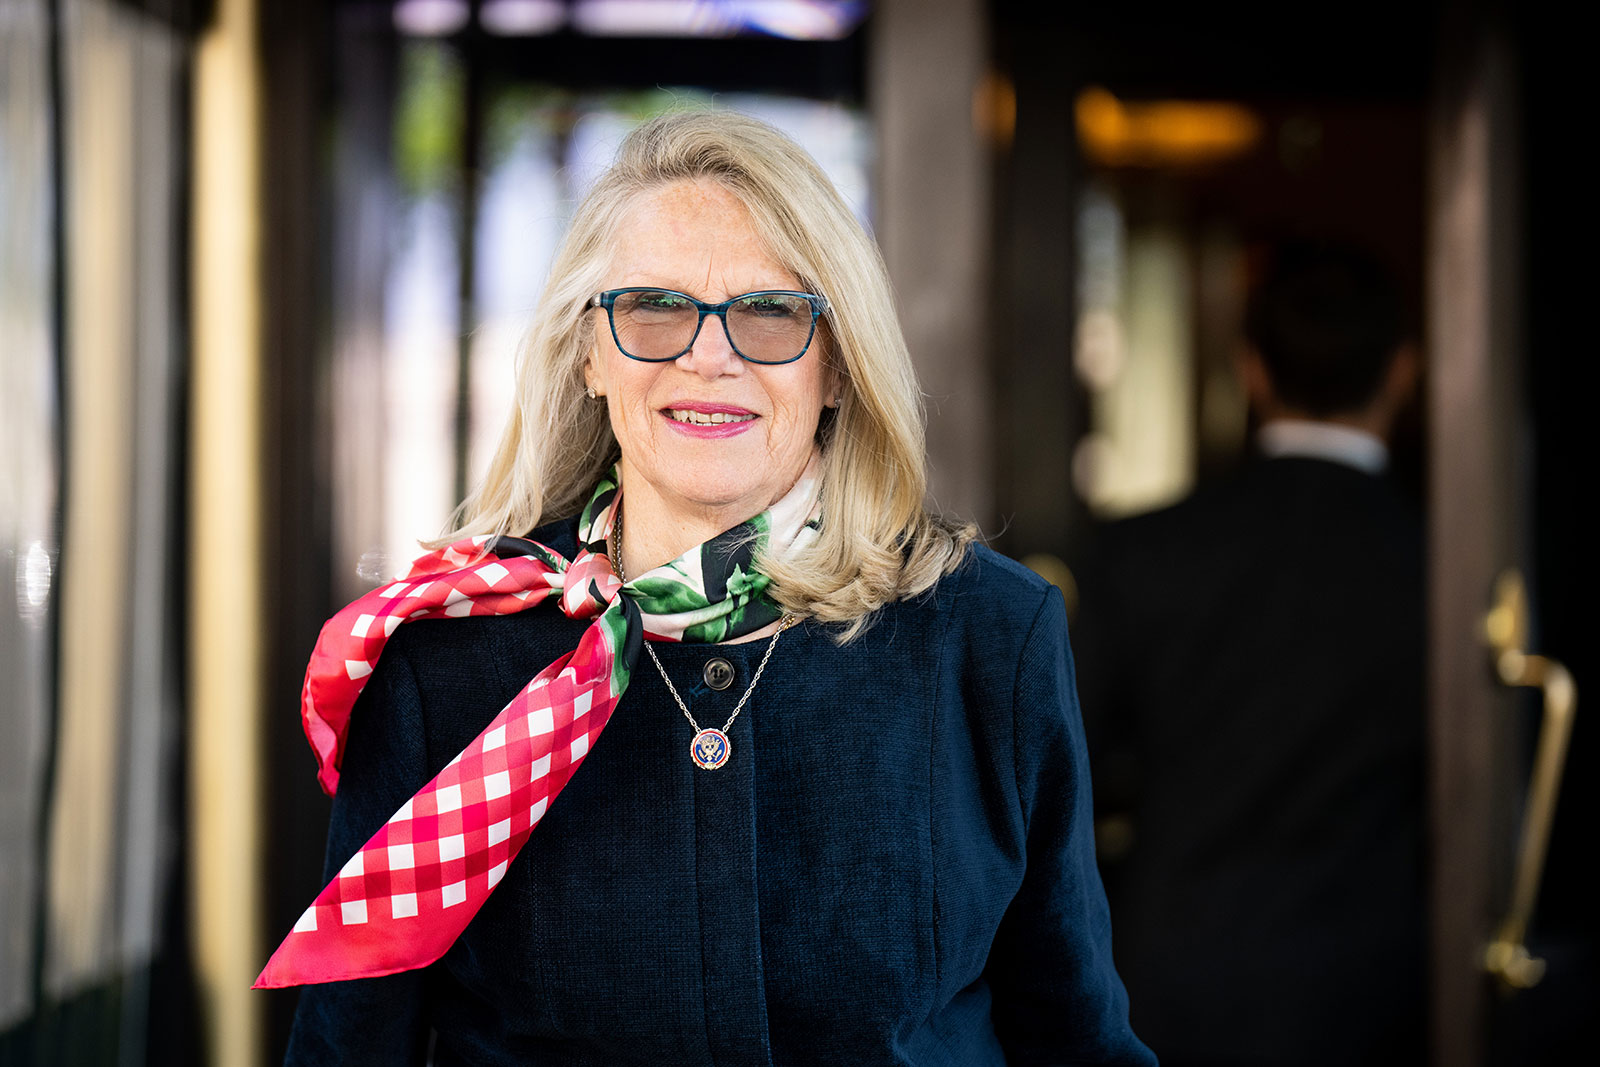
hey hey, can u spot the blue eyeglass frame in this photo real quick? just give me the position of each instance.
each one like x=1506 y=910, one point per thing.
x=608 y=298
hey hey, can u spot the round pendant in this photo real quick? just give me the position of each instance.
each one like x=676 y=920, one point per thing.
x=710 y=749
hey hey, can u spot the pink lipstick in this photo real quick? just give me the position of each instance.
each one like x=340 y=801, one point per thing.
x=707 y=420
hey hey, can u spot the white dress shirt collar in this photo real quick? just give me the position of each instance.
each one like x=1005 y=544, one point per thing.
x=1308 y=439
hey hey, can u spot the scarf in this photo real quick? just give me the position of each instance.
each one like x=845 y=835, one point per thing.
x=403 y=899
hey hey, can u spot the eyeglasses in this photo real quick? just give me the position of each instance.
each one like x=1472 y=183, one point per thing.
x=656 y=325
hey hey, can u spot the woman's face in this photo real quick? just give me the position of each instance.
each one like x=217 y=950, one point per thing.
x=696 y=238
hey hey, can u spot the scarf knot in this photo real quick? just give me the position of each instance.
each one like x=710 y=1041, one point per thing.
x=589 y=586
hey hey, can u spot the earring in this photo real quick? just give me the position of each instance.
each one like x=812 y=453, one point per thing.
x=589 y=391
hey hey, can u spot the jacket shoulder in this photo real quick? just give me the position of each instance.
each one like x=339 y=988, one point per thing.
x=987 y=573
x=990 y=600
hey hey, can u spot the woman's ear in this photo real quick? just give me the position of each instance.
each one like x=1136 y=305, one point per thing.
x=834 y=391
x=593 y=379
x=832 y=376
x=832 y=383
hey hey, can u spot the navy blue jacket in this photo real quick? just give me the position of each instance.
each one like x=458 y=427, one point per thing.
x=896 y=866
x=1255 y=656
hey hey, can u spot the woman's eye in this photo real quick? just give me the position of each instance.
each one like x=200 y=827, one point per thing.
x=767 y=306
x=660 y=302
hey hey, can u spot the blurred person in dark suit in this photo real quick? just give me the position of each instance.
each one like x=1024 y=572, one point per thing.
x=1252 y=660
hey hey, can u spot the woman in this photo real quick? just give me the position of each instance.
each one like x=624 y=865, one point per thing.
x=841 y=814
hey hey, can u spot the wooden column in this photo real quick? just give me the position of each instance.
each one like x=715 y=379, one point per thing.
x=927 y=65
x=1475 y=507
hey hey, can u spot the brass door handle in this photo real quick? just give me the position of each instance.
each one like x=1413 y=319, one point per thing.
x=1506 y=630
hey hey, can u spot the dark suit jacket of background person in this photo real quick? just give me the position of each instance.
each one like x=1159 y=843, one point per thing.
x=895 y=867
x=1251 y=667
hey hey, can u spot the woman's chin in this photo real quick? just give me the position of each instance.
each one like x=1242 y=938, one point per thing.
x=729 y=479
x=729 y=501
x=723 y=490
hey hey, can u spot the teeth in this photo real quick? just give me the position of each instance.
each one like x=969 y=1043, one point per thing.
x=702 y=418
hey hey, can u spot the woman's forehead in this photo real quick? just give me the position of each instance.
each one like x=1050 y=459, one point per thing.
x=697 y=237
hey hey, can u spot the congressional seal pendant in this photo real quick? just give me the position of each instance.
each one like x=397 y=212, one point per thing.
x=710 y=749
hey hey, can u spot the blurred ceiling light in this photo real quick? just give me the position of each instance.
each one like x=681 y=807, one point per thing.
x=522 y=18
x=801 y=20
x=1162 y=133
x=994 y=108
x=431 y=18
x=651 y=18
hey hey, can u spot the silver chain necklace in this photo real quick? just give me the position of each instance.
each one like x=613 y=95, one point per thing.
x=710 y=748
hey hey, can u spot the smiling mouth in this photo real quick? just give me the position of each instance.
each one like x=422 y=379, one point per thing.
x=705 y=418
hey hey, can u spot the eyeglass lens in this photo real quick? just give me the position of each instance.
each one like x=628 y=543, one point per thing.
x=764 y=327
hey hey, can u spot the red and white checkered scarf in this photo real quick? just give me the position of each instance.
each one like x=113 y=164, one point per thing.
x=404 y=898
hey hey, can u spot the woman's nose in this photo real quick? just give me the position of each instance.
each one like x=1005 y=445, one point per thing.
x=712 y=354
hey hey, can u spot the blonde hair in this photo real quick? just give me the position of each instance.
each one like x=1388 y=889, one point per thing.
x=878 y=542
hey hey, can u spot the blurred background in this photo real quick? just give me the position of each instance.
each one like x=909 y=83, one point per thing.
x=263 y=267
